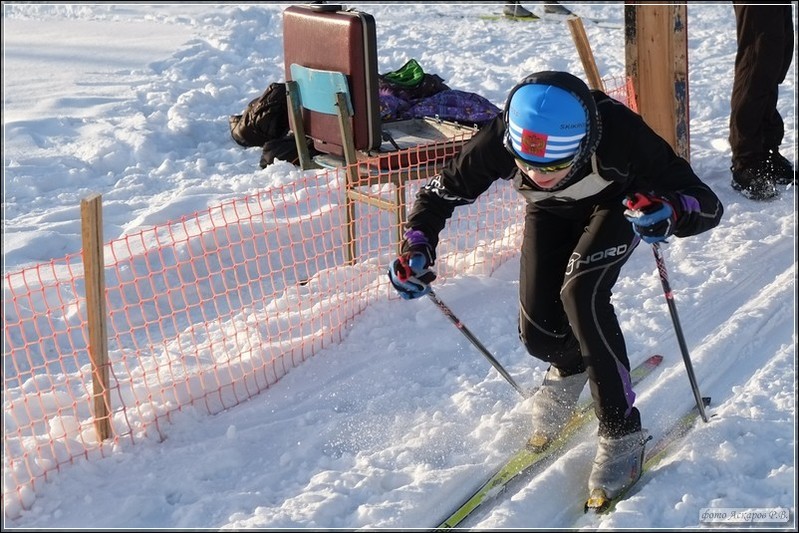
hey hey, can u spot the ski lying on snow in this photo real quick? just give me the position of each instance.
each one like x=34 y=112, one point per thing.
x=502 y=16
x=524 y=461
x=599 y=503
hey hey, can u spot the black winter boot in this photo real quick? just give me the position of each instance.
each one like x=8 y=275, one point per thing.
x=514 y=9
x=780 y=168
x=554 y=8
x=755 y=181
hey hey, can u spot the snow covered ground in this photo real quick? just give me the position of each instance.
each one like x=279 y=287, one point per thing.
x=394 y=425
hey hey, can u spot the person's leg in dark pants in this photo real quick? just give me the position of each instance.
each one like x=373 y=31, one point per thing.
x=756 y=127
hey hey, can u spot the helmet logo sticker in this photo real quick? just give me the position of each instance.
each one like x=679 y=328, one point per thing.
x=534 y=143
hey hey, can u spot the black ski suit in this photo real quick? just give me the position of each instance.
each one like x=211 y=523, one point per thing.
x=576 y=240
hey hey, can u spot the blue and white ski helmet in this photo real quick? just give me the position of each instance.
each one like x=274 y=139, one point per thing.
x=551 y=118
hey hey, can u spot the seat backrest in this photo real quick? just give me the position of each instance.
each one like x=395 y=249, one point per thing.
x=318 y=89
x=325 y=37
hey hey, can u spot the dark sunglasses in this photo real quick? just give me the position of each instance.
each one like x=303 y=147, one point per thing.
x=544 y=169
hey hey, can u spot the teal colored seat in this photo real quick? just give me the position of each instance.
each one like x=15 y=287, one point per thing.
x=317 y=86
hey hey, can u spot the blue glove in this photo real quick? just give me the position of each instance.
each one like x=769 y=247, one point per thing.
x=654 y=218
x=410 y=273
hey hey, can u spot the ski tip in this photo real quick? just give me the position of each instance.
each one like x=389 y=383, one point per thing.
x=656 y=359
x=598 y=502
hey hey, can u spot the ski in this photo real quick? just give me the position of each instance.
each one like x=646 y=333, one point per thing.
x=599 y=503
x=525 y=460
x=502 y=16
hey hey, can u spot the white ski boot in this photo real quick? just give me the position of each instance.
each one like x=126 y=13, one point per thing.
x=554 y=403
x=618 y=464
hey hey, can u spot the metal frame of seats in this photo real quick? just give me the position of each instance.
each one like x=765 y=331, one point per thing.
x=312 y=82
x=327 y=92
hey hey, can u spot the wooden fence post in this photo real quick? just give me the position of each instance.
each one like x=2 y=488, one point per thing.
x=656 y=49
x=584 y=49
x=91 y=210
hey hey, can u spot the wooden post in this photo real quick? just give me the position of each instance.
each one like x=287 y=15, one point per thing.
x=297 y=127
x=584 y=49
x=91 y=211
x=351 y=161
x=656 y=48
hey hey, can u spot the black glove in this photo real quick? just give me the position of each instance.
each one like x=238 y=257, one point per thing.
x=410 y=273
x=653 y=217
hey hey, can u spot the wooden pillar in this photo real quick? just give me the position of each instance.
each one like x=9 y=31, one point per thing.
x=656 y=47
x=91 y=210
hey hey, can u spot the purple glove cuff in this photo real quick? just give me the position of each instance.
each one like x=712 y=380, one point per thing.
x=688 y=204
x=415 y=237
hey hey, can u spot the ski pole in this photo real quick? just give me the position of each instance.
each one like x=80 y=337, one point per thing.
x=463 y=329
x=664 y=280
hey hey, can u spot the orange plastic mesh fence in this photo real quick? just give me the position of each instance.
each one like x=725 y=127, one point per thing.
x=206 y=312
x=209 y=310
x=621 y=88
